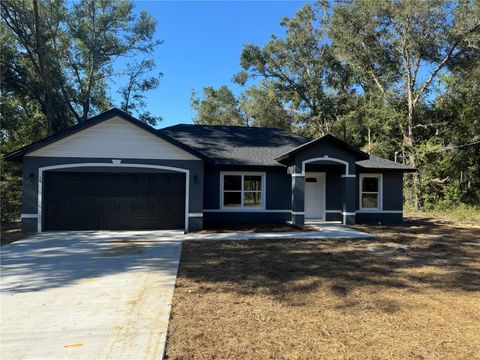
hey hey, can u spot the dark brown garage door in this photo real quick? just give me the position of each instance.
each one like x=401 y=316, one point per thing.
x=113 y=201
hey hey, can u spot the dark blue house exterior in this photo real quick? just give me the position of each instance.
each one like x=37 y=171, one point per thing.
x=114 y=172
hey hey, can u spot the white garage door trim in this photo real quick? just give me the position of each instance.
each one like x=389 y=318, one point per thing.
x=115 y=163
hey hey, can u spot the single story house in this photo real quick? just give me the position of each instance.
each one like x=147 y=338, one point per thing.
x=115 y=172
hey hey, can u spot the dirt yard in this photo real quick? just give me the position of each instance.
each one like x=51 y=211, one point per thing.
x=413 y=292
x=10 y=233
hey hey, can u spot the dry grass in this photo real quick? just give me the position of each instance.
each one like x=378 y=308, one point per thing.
x=411 y=293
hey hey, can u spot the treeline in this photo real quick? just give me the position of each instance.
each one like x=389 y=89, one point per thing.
x=399 y=79
x=58 y=60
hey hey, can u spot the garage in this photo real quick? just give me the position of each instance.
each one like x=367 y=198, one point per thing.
x=113 y=201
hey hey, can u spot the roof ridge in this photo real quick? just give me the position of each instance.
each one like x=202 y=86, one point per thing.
x=229 y=126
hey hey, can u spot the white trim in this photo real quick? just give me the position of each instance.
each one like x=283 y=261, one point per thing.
x=326 y=158
x=333 y=211
x=241 y=208
x=144 y=166
x=373 y=211
x=348 y=176
x=346 y=213
x=254 y=210
x=29 y=216
x=323 y=177
x=379 y=207
x=195 y=214
x=298 y=213
x=298 y=175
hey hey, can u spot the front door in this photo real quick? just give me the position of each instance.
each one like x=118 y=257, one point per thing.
x=315 y=196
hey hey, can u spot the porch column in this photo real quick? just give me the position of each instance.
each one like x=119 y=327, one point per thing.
x=298 y=199
x=349 y=193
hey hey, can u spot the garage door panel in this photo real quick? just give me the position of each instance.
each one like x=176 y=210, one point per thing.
x=90 y=201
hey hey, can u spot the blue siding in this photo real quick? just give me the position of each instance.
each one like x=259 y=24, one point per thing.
x=245 y=217
x=278 y=186
x=370 y=218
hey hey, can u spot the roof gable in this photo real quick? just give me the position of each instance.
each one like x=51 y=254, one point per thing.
x=114 y=138
x=285 y=157
x=105 y=116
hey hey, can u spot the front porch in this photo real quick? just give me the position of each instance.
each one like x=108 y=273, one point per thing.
x=325 y=191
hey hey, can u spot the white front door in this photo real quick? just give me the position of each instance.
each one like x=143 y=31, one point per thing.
x=315 y=196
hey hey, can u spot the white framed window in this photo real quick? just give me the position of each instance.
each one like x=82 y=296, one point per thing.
x=371 y=187
x=242 y=190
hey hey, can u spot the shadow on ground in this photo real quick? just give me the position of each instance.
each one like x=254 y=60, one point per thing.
x=58 y=259
x=411 y=256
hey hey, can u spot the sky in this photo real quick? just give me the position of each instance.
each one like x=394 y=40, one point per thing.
x=202 y=43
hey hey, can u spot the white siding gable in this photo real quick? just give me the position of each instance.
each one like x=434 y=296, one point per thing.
x=114 y=138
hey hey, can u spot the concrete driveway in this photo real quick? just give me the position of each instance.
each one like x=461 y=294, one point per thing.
x=88 y=295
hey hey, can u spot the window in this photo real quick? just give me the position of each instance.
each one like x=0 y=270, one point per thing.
x=370 y=191
x=242 y=190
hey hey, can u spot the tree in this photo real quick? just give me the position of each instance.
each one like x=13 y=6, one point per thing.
x=401 y=48
x=133 y=93
x=98 y=33
x=262 y=107
x=65 y=55
x=217 y=107
x=35 y=68
x=301 y=69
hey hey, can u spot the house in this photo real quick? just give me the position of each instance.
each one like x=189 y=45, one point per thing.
x=115 y=172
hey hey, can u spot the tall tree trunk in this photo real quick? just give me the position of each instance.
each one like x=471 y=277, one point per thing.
x=409 y=146
x=47 y=95
x=369 y=140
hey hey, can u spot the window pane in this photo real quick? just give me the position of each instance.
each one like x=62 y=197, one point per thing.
x=232 y=182
x=370 y=184
x=232 y=199
x=369 y=201
x=253 y=183
x=252 y=199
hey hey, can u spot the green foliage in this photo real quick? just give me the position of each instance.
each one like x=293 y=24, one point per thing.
x=61 y=55
x=218 y=107
x=394 y=78
x=262 y=107
x=462 y=213
x=310 y=85
x=133 y=93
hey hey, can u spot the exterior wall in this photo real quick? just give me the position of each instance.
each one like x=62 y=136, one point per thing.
x=330 y=150
x=375 y=218
x=342 y=186
x=30 y=178
x=341 y=181
x=392 y=199
x=282 y=204
x=277 y=197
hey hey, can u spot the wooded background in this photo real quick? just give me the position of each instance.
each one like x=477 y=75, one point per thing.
x=398 y=79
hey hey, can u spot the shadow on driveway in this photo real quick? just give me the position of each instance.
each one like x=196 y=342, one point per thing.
x=57 y=259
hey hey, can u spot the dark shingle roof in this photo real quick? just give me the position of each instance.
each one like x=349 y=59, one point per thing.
x=236 y=145
x=376 y=162
x=221 y=145
x=239 y=145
